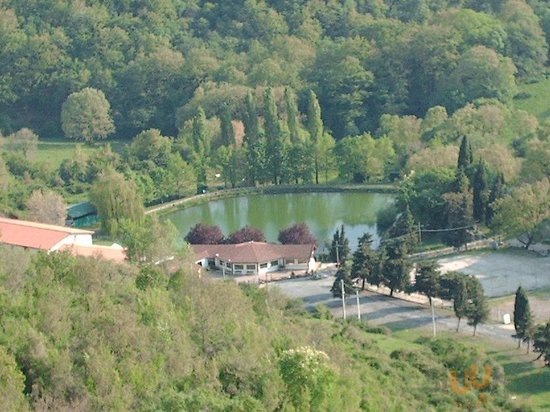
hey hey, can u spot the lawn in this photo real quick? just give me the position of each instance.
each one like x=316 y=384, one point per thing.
x=533 y=98
x=55 y=151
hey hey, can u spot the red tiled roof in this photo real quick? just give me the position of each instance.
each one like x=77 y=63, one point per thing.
x=253 y=252
x=116 y=254
x=34 y=235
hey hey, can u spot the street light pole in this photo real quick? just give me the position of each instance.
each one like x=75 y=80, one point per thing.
x=343 y=298
x=358 y=307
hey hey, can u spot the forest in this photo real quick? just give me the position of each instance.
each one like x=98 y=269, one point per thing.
x=270 y=92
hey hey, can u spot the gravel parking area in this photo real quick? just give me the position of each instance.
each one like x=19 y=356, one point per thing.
x=502 y=272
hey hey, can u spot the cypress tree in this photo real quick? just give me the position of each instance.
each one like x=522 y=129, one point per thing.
x=465 y=157
x=250 y=120
x=478 y=309
x=481 y=195
x=460 y=297
x=315 y=129
x=497 y=191
x=364 y=260
x=292 y=115
x=523 y=320
x=226 y=126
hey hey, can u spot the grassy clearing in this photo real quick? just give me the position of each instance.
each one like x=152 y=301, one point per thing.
x=54 y=151
x=536 y=101
x=527 y=380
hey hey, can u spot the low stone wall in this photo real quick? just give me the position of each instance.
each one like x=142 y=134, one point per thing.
x=478 y=244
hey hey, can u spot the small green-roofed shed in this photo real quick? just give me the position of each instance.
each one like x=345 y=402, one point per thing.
x=81 y=214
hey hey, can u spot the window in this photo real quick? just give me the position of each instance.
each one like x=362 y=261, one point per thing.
x=263 y=265
x=274 y=263
x=239 y=267
x=250 y=267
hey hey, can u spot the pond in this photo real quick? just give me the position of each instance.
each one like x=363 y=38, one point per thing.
x=322 y=212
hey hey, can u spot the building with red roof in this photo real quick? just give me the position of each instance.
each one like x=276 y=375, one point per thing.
x=255 y=257
x=51 y=238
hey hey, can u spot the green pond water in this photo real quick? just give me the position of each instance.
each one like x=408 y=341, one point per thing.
x=322 y=212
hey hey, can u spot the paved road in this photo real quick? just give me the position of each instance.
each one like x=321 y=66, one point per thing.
x=395 y=314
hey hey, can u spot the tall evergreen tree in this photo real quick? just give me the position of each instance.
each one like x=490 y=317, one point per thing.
x=465 y=156
x=478 y=308
x=364 y=260
x=481 y=194
x=396 y=267
x=226 y=126
x=497 y=191
x=339 y=248
x=343 y=273
x=250 y=120
x=292 y=116
x=428 y=283
x=541 y=342
x=274 y=142
x=404 y=228
x=315 y=129
x=523 y=320
x=201 y=141
x=460 y=297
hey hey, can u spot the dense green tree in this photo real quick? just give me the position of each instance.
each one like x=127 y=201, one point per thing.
x=523 y=319
x=149 y=242
x=13 y=383
x=339 y=247
x=541 y=342
x=465 y=156
x=497 y=191
x=116 y=200
x=480 y=194
x=478 y=308
x=405 y=230
x=343 y=274
x=428 y=282
x=460 y=297
x=85 y=116
x=522 y=212
x=201 y=147
x=396 y=267
x=480 y=73
x=364 y=260
x=226 y=126
x=250 y=119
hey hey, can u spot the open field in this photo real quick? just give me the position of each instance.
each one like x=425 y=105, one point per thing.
x=55 y=151
x=537 y=101
x=502 y=272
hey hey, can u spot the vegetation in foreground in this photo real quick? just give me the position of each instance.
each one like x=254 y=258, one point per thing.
x=85 y=334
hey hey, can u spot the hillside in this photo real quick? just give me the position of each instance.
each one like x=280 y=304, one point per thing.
x=84 y=335
x=533 y=98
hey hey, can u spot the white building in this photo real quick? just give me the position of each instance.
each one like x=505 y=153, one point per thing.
x=255 y=258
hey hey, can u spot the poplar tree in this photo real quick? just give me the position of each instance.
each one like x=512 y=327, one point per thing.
x=292 y=115
x=523 y=320
x=274 y=144
x=465 y=157
x=315 y=129
x=481 y=194
x=254 y=146
x=201 y=146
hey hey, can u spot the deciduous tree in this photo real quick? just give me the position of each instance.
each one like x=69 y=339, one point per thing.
x=85 y=116
x=297 y=234
x=202 y=234
x=46 y=206
x=246 y=234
